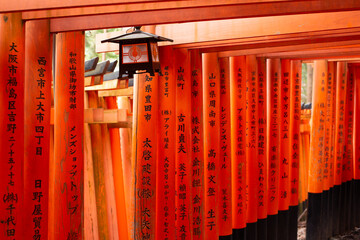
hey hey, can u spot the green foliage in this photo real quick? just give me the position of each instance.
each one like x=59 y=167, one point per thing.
x=304 y=83
x=90 y=46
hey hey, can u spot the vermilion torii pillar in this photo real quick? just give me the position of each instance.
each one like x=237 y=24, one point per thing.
x=285 y=151
x=145 y=154
x=341 y=77
x=211 y=120
x=165 y=180
x=251 y=149
x=273 y=72
x=262 y=148
x=68 y=136
x=38 y=80
x=295 y=116
x=197 y=150
x=315 y=184
x=12 y=55
x=225 y=197
x=238 y=167
x=183 y=200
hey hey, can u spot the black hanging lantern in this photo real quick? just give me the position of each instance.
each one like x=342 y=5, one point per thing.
x=138 y=51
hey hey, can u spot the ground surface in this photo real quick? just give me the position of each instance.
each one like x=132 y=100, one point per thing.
x=352 y=235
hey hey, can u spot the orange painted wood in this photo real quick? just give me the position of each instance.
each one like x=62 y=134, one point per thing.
x=51 y=207
x=12 y=67
x=200 y=34
x=295 y=116
x=285 y=136
x=318 y=114
x=199 y=14
x=183 y=200
x=225 y=206
x=357 y=124
x=197 y=138
x=99 y=171
x=341 y=80
x=238 y=120
x=119 y=6
x=118 y=176
x=68 y=136
x=332 y=96
x=51 y=210
x=211 y=121
x=165 y=180
x=111 y=201
x=127 y=165
x=251 y=150
x=53 y=4
x=38 y=79
x=349 y=127
x=273 y=75
x=91 y=230
x=145 y=141
x=262 y=139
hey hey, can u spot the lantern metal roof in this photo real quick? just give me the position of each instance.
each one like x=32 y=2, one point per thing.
x=137 y=36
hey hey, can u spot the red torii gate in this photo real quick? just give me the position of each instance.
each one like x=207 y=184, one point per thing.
x=24 y=62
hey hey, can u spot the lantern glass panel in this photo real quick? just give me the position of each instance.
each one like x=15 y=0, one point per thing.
x=154 y=52
x=135 y=53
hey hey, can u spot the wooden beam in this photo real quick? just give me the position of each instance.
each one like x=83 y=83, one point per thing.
x=201 y=34
x=317 y=53
x=134 y=6
x=204 y=13
x=118 y=92
x=232 y=33
x=284 y=46
x=23 y=5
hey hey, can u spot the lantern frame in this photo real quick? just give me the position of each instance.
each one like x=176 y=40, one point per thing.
x=134 y=38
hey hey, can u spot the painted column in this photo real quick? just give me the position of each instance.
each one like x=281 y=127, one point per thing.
x=315 y=181
x=211 y=120
x=183 y=198
x=38 y=81
x=295 y=115
x=341 y=76
x=145 y=154
x=197 y=146
x=262 y=150
x=285 y=151
x=225 y=203
x=252 y=175
x=12 y=66
x=165 y=181
x=68 y=136
x=238 y=167
x=273 y=127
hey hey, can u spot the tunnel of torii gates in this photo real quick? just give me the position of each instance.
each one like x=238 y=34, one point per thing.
x=217 y=147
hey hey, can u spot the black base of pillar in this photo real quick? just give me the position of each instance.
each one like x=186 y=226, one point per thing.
x=343 y=207
x=251 y=231
x=313 y=224
x=330 y=215
x=324 y=213
x=228 y=237
x=293 y=223
x=272 y=227
x=283 y=225
x=336 y=210
x=239 y=234
x=262 y=229
x=356 y=202
x=349 y=225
